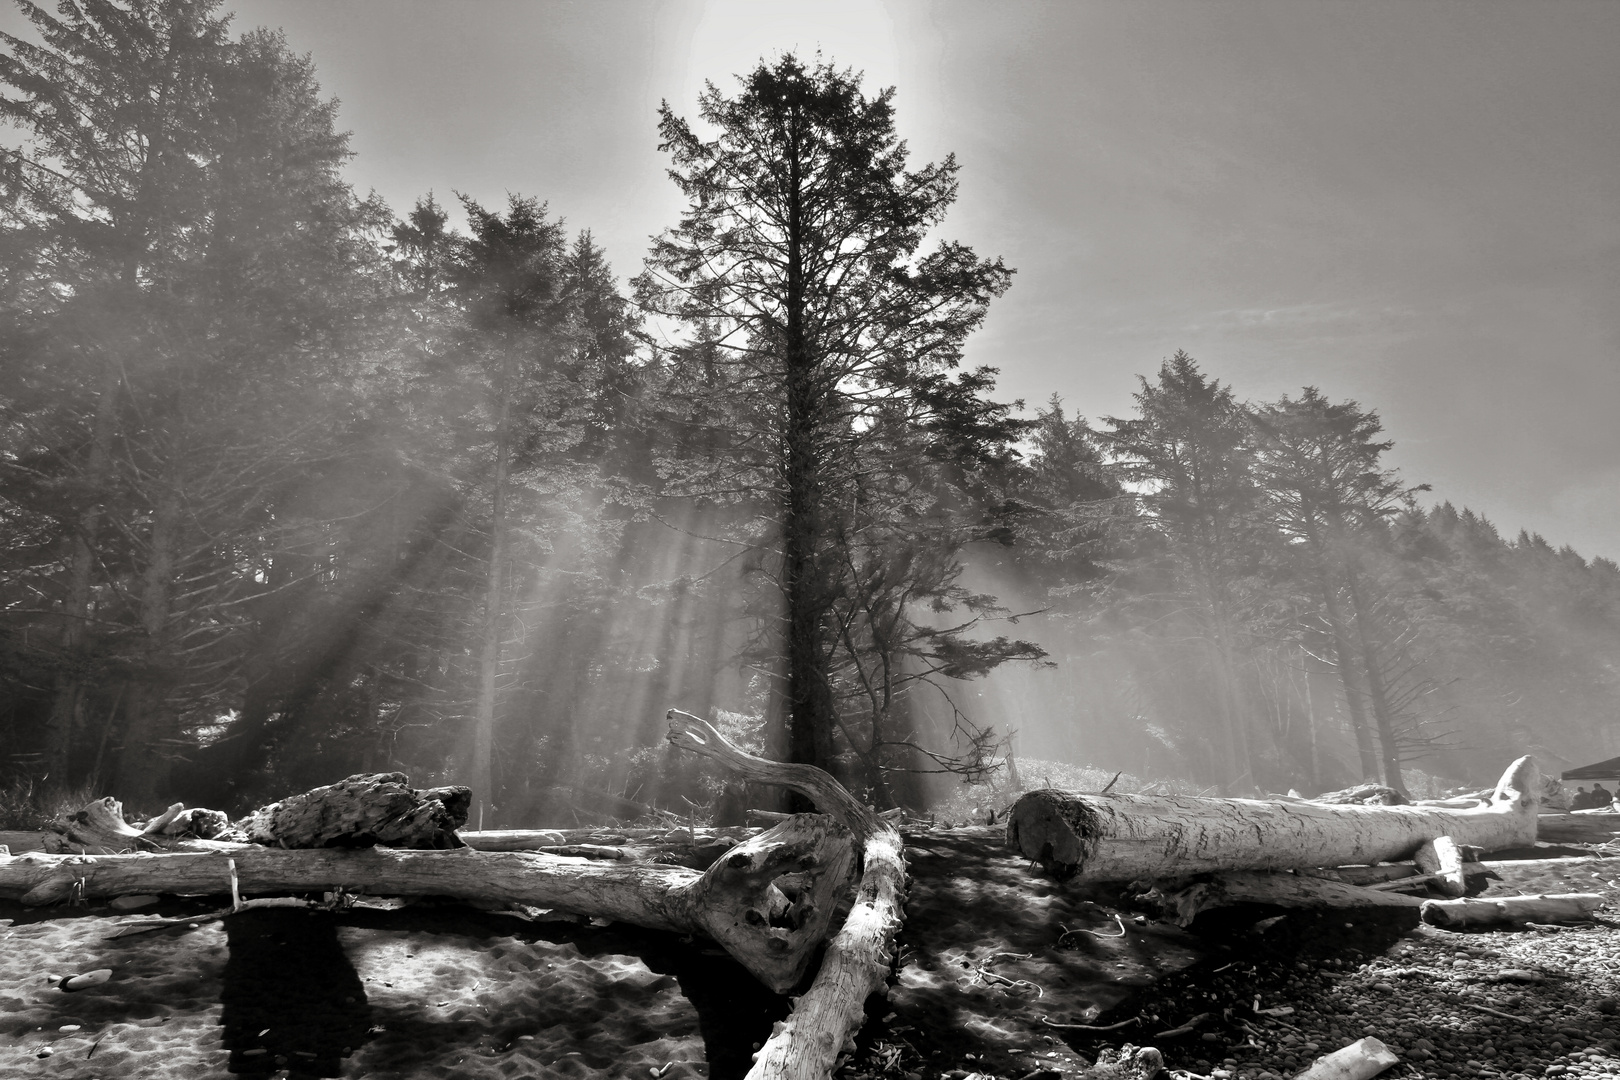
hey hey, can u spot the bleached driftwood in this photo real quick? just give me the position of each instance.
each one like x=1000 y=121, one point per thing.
x=1500 y=910
x=1361 y=1060
x=822 y=1026
x=768 y=902
x=1118 y=837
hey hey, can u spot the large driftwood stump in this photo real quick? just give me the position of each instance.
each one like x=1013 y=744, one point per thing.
x=808 y=1044
x=1117 y=837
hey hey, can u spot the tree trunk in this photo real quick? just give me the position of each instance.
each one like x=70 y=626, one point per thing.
x=481 y=774
x=67 y=702
x=143 y=769
x=1377 y=693
x=809 y=698
x=1116 y=837
x=1347 y=679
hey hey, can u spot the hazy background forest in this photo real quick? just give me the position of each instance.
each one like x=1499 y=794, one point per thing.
x=294 y=484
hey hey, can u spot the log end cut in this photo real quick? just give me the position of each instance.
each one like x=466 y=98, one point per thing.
x=1055 y=829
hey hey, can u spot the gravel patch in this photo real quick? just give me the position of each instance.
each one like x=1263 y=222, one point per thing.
x=1512 y=1004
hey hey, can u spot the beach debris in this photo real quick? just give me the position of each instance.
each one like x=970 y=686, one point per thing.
x=1455 y=1000
x=1049 y=1022
x=1518 y=975
x=1126 y=1063
x=1121 y=837
x=1361 y=1060
x=1067 y=933
x=74 y=983
x=982 y=973
x=1509 y=910
x=1186 y=1028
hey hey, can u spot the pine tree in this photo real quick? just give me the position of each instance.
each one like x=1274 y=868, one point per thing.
x=1189 y=455
x=184 y=193
x=1320 y=465
x=810 y=317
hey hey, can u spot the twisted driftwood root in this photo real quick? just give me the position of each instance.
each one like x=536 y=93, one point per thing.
x=808 y=1044
x=1118 y=837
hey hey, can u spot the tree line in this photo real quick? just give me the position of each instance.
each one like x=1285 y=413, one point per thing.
x=292 y=487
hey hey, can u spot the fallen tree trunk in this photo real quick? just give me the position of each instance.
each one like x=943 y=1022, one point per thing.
x=1117 y=837
x=769 y=902
x=1555 y=908
x=808 y=1044
x=1182 y=902
x=1582 y=828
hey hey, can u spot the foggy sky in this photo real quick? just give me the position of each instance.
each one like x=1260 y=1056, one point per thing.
x=1413 y=203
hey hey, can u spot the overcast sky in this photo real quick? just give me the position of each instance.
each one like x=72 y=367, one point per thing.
x=1415 y=204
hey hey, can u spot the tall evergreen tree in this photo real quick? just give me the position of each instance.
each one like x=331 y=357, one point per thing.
x=1188 y=453
x=1320 y=465
x=186 y=196
x=797 y=272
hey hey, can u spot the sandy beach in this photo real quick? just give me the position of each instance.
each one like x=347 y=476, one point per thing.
x=993 y=955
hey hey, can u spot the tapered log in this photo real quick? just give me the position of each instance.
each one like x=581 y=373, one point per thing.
x=808 y=1044
x=769 y=901
x=1181 y=903
x=1509 y=910
x=1117 y=837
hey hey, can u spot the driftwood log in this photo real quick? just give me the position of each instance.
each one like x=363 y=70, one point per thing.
x=1509 y=910
x=768 y=902
x=822 y=1026
x=1119 y=837
x=1183 y=901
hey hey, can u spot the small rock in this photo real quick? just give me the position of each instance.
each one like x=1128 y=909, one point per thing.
x=75 y=983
